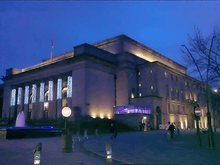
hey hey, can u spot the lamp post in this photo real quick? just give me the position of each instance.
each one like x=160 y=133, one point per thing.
x=67 y=135
x=66 y=112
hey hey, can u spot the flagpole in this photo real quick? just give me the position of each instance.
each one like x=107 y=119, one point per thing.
x=51 y=50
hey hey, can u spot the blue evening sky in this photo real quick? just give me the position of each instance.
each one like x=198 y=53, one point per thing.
x=27 y=28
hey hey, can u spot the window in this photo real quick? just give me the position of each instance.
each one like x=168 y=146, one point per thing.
x=69 y=86
x=13 y=97
x=152 y=87
x=176 y=79
x=185 y=83
x=167 y=91
x=183 y=109
x=19 y=96
x=165 y=73
x=171 y=77
x=59 y=88
x=168 y=107
x=182 y=95
x=172 y=93
x=173 y=108
x=41 y=99
x=139 y=73
x=132 y=95
x=26 y=95
x=151 y=71
x=140 y=94
x=177 y=94
x=178 y=109
x=50 y=94
x=139 y=85
x=186 y=95
x=34 y=93
x=195 y=97
x=190 y=95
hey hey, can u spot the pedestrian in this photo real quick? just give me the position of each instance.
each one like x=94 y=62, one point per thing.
x=148 y=126
x=140 y=126
x=171 y=129
x=151 y=126
x=113 y=131
x=143 y=125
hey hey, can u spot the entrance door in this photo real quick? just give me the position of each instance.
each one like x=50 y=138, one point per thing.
x=144 y=121
x=158 y=117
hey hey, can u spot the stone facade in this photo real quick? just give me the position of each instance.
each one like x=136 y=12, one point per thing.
x=102 y=80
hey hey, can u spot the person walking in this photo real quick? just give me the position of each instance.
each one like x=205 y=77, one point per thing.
x=171 y=129
x=112 y=130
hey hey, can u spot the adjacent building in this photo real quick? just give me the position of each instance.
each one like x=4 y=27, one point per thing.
x=116 y=78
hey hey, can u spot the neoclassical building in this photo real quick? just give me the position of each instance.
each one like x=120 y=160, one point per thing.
x=116 y=78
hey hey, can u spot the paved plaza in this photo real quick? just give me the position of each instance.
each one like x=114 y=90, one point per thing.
x=128 y=148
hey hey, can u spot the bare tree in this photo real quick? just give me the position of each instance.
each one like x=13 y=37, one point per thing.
x=203 y=59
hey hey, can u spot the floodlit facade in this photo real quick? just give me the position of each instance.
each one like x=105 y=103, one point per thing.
x=116 y=78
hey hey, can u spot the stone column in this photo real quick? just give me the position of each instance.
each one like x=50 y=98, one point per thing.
x=6 y=102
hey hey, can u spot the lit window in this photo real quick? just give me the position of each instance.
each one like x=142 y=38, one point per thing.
x=34 y=93
x=139 y=85
x=181 y=91
x=13 y=96
x=19 y=95
x=132 y=95
x=50 y=94
x=165 y=74
x=26 y=95
x=69 y=86
x=59 y=88
x=41 y=92
x=139 y=94
x=139 y=73
x=152 y=87
x=185 y=83
x=186 y=95
x=171 y=89
x=176 y=90
x=195 y=97
x=151 y=71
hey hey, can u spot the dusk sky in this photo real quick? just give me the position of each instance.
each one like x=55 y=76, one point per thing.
x=27 y=28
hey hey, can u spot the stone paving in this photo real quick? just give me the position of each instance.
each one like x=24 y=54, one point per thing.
x=20 y=152
x=153 y=148
x=128 y=148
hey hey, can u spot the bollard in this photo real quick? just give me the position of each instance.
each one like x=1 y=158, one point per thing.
x=85 y=134
x=67 y=141
x=37 y=154
x=96 y=132
x=168 y=135
x=108 y=150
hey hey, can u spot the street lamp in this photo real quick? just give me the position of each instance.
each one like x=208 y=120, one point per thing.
x=66 y=112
